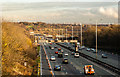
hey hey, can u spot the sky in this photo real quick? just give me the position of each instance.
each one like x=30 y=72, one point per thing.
x=60 y=11
x=24 y=1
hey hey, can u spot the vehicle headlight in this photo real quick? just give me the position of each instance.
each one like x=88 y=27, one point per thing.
x=86 y=70
x=92 y=70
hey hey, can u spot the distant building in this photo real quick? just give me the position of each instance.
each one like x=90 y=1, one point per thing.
x=60 y=36
x=31 y=33
x=49 y=36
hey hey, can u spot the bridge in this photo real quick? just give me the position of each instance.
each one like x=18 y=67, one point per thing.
x=41 y=38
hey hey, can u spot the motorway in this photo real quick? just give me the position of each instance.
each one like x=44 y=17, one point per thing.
x=45 y=67
x=112 y=58
x=75 y=65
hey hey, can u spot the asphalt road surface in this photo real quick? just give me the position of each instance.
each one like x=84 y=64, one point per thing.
x=45 y=67
x=75 y=65
x=112 y=59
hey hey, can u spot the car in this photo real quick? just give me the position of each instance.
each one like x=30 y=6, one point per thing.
x=55 y=46
x=83 y=47
x=59 y=49
x=69 y=47
x=38 y=44
x=56 y=52
x=104 y=56
x=57 y=67
x=88 y=69
x=76 y=55
x=68 y=43
x=66 y=54
x=65 y=60
x=60 y=55
x=72 y=53
x=88 y=49
x=52 y=58
x=44 y=43
x=52 y=48
x=80 y=48
x=50 y=43
x=73 y=45
x=94 y=51
x=66 y=46
x=62 y=51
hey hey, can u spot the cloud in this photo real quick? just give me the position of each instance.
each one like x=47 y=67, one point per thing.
x=60 y=12
x=109 y=12
x=88 y=14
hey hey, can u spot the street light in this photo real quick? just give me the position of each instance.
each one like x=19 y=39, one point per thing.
x=77 y=30
x=96 y=39
x=81 y=34
x=62 y=34
x=72 y=32
x=59 y=31
x=66 y=33
x=59 y=34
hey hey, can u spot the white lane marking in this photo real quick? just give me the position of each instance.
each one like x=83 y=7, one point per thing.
x=49 y=62
x=40 y=59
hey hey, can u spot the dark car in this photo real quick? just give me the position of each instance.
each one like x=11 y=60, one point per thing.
x=73 y=45
x=55 y=46
x=50 y=47
x=57 y=67
x=65 y=60
x=69 y=47
x=104 y=56
x=60 y=55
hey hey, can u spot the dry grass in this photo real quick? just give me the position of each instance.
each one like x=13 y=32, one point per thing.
x=16 y=49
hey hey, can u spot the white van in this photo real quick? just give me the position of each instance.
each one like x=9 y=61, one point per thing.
x=76 y=55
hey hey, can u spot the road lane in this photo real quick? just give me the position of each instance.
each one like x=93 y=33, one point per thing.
x=80 y=62
x=67 y=69
x=45 y=67
x=112 y=59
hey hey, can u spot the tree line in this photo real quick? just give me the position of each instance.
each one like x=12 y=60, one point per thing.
x=108 y=38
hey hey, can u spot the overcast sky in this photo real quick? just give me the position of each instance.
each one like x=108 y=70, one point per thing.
x=58 y=1
x=52 y=11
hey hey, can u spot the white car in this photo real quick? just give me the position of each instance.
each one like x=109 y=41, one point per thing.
x=88 y=49
x=104 y=56
x=66 y=54
x=92 y=49
x=62 y=51
x=52 y=58
x=76 y=55
x=52 y=47
x=82 y=47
